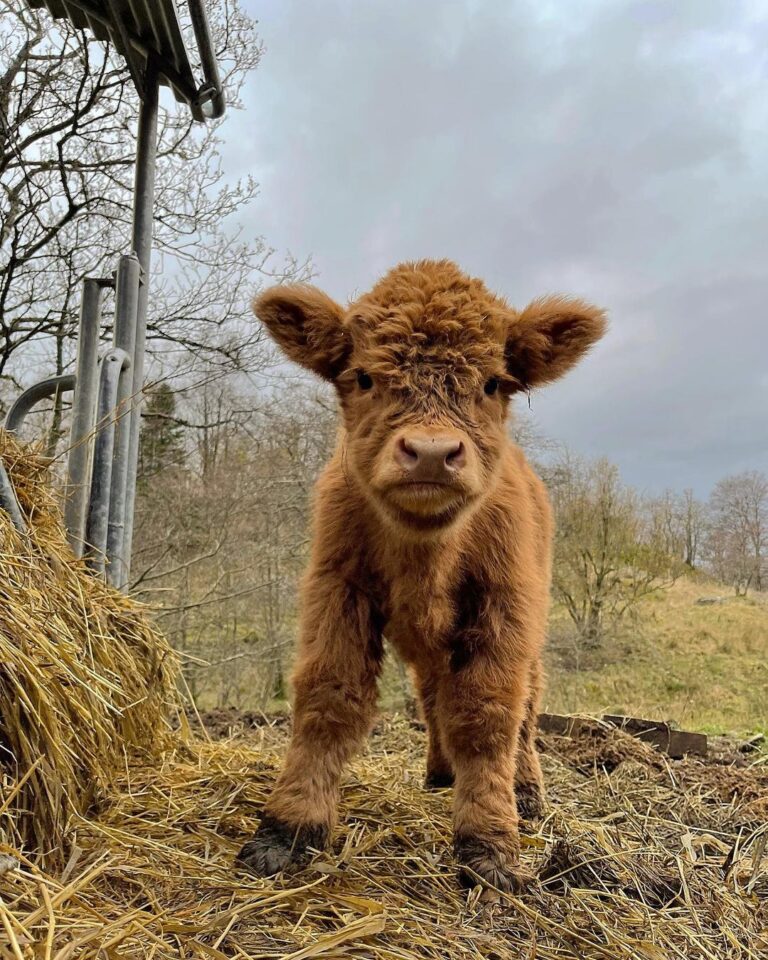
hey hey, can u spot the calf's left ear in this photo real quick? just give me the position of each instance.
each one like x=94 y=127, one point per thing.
x=550 y=336
x=307 y=325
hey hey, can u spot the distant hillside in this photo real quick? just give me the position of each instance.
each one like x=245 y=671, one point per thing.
x=703 y=666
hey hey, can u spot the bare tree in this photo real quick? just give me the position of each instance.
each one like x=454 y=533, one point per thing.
x=223 y=533
x=606 y=557
x=693 y=522
x=738 y=538
x=664 y=518
x=68 y=116
x=679 y=522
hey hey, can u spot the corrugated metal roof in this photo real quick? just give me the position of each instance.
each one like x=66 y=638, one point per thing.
x=140 y=29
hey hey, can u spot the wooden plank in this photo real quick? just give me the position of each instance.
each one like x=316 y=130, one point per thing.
x=567 y=726
x=675 y=743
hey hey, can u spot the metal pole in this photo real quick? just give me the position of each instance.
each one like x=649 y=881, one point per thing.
x=126 y=307
x=9 y=501
x=83 y=412
x=143 y=206
x=97 y=521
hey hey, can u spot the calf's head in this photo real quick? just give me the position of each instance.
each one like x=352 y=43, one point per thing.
x=424 y=366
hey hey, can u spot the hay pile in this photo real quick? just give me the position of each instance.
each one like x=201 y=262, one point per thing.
x=640 y=857
x=84 y=678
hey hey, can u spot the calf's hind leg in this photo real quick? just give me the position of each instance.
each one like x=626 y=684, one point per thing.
x=529 y=780
x=439 y=770
x=335 y=698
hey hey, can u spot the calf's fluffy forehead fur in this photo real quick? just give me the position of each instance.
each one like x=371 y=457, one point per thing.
x=430 y=315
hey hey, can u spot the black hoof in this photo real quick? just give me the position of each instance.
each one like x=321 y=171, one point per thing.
x=438 y=779
x=276 y=845
x=481 y=861
x=530 y=801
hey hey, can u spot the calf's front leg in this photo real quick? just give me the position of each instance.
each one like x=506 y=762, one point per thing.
x=481 y=708
x=334 y=684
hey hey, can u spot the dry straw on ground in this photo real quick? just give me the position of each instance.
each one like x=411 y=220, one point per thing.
x=640 y=857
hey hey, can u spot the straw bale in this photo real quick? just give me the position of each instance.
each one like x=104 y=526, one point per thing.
x=84 y=676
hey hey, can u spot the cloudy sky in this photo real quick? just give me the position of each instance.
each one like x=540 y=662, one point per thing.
x=615 y=149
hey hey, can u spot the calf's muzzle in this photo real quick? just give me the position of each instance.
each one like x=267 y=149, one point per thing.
x=430 y=458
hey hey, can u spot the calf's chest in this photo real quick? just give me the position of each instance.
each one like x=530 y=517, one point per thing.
x=418 y=606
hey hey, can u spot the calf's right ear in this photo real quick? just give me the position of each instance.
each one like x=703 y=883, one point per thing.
x=307 y=325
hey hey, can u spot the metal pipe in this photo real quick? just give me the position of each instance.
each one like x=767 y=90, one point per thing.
x=143 y=208
x=9 y=502
x=16 y=416
x=97 y=521
x=211 y=92
x=144 y=176
x=83 y=412
x=127 y=302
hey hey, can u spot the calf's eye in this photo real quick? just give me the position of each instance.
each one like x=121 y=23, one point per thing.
x=364 y=380
x=491 y=386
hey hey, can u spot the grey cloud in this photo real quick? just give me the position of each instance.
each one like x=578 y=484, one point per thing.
x=612 y=149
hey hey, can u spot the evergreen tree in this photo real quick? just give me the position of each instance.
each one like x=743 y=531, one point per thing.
x=162 y=442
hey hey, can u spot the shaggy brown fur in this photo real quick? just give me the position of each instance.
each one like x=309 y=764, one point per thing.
x=446 y=554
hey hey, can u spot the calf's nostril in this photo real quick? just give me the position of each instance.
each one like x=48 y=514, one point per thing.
x=409 y=449
x=405 y=453
x=456 y=456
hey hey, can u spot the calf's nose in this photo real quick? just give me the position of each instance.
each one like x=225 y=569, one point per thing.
x=435 y=459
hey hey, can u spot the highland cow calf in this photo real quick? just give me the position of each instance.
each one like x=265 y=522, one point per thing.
x=431 y=530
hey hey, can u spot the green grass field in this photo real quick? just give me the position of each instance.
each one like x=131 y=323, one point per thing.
x=702 y=667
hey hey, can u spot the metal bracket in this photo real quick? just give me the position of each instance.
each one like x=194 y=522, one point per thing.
x=16 y=416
